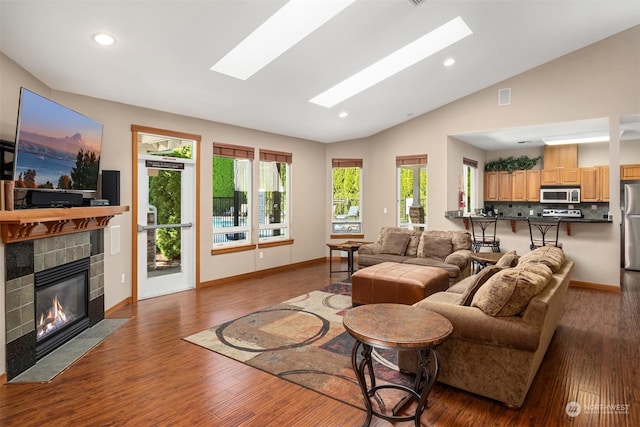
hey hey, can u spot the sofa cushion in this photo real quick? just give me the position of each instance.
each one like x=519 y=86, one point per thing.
x=462 y=286
x=442 y=298
x=509 y=259
x=453 y=270
x=434 y=247
x=365 y=260
x=412 y=247
x=550 y=256
x=478 y=280
x=459 y=239
x=508 y=291
x=395 y=243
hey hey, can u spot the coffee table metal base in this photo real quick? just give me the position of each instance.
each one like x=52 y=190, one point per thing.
x=428 y=369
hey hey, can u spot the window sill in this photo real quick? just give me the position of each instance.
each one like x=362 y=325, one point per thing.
x=232 y=249
x=346 y=236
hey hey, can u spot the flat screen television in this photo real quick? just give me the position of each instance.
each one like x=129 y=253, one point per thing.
x=57 y=149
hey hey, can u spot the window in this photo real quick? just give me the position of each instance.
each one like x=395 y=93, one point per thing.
x=412 y=191
x=232 y=167
x=347 y=187
x=273 y=195
x=467 y=196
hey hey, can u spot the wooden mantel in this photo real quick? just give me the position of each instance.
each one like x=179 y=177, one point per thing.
x=28 y=224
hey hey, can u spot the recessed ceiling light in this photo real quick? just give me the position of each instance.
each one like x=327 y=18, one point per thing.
x=343 y=114
x=449 y=62
x=104 y=39
x=293 y=22
x=425 y=46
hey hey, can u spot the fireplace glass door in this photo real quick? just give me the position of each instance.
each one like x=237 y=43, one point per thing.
x=61 y=303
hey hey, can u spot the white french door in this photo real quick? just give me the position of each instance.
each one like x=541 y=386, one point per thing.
x=166 y=225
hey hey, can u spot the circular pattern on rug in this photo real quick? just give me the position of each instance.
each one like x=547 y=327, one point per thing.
x=255 y=328
x=327 y=302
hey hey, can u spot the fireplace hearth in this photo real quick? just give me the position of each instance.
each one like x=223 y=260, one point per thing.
x=61 y=301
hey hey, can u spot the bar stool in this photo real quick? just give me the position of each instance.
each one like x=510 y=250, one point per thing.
x=545 y=232
x=483 y=230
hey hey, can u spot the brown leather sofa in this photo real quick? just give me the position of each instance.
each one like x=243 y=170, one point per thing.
x=449 y=250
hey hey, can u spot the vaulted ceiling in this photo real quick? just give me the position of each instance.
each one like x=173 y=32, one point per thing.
x=164 y=51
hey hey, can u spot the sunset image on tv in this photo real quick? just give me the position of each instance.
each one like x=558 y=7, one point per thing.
x=56 y=147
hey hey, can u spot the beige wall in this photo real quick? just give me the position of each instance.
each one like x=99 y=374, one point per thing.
x=308 y=211
x=598 y=81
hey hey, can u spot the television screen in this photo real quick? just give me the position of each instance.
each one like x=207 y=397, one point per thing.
x=57 y=149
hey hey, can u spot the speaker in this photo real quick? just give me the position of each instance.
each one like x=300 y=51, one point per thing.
x=111 y=187
x=53 y=199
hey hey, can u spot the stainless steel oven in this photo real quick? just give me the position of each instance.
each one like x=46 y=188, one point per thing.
x=560 y=195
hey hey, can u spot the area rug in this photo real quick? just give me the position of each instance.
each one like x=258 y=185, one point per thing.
x=47 y=368
x=302 y=340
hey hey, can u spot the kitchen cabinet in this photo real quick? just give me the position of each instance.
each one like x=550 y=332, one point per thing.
x=497 y=186
x=628 y=172
x=505 y=185
x=560 y=156
x=526 y=186
x=560 y=176
x=491 y=186
x=594 y=185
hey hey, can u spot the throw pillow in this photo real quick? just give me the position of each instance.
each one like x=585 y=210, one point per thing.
x=412 y=247
x=550 y=256
x=478 y=280
x=508 y=292
x=510 y=259
x=434 y=247
x=395 y=243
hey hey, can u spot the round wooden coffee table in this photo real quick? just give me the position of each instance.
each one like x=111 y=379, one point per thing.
x=400 y=327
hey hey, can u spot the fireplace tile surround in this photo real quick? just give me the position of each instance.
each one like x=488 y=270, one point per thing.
x=22 y=260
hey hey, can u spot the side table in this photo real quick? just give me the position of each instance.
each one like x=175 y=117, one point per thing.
x=400 y=327
x=482 y=259
x=349 y=246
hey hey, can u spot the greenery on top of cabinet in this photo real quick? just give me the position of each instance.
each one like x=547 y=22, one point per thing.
x=511 y=164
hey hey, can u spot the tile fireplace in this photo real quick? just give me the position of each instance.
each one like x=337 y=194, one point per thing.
x=54 y=290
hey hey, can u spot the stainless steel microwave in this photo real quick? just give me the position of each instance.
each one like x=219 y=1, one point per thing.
x=560 y=195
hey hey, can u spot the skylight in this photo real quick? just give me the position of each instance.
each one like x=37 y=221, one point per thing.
x=416 y=51
x=292 y=23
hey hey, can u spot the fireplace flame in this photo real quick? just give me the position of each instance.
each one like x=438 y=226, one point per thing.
x=54 y=318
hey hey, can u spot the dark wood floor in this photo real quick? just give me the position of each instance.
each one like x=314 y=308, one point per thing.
x=144 y=374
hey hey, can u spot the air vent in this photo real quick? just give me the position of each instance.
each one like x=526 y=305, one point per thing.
x=504 y=96
x=416 y=2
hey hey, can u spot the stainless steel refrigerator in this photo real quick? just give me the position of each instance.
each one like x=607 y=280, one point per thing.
x=632 y=226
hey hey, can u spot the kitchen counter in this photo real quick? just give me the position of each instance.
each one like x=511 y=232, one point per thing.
x=515 y=219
